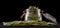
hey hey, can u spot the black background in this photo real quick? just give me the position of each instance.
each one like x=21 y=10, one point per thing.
x=12 y=10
